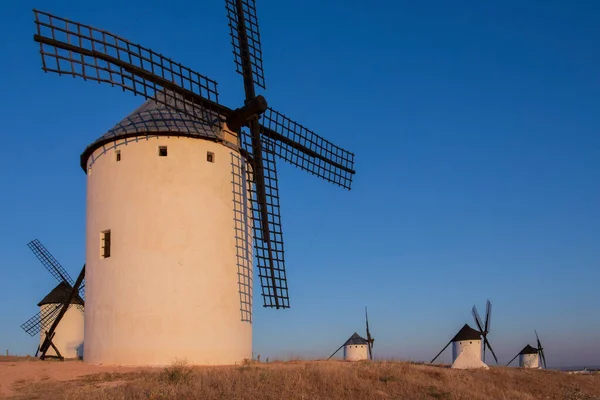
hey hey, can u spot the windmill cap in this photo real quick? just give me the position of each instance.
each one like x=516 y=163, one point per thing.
x=466 y=333
x=529 y=350
x=356 y=339
x=156 y=119
x=59 y=294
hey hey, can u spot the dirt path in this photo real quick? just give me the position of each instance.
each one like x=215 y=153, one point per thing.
x=18 y=370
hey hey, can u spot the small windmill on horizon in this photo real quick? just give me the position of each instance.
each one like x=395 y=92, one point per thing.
x=356 y=347
x=531 y=357
x=467 y=343
x=61 y=331
x=177 y=194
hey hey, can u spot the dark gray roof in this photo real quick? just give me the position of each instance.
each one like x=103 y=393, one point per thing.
x=356 y=339
x=466 y=333
x=59 y=294
x=153 y=118
x=528 y=350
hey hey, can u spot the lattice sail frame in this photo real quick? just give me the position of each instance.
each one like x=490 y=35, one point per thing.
x=100 y=56
x=54 y=267
x=52 y=264
x=42 y=319
x=243 y=234
x=253 y=36
x=323 y=158
x=273 y=283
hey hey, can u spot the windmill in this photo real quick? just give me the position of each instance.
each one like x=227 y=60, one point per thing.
x=177 y=192
x=55 y=307
x=466 y=349
x=357 y=347
x=468 y=341
x=530 y=356
x=484 y=328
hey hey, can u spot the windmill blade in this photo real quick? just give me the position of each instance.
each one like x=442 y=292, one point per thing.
x=441 y=351
x=52 y=265
x=41 y=320
x=71 y=48
x=49 y=262
x=367 y=323
x=487 y=343
x=513 y=359
x=268 y=235
x=369 y=339
x=305 y=149
x=338 y=349
x=245 y=38
x=488 y=316
x=483 y=333
x=540 y=349
x=543 y=357
x=484 y=349
x=268 y=238
x=82 y=290
x=477 y=319
x=539 y=344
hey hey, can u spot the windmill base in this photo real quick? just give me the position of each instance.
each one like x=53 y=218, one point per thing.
x=467 y=359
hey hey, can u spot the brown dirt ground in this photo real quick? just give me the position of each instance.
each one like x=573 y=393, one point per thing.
x=19 y=370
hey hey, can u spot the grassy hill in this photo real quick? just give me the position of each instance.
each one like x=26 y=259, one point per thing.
x=305 y=380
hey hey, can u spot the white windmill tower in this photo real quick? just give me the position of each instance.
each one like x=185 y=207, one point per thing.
x=530 y=357
x=357 y=348
x=177 y=193
x=466 y=349
x=467 y=343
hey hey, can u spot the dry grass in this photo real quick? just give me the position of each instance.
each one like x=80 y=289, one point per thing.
x=317 y=380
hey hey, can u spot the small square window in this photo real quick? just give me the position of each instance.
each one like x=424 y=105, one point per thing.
x=118 y=155
x=210 y=157
x=105 y=244
x=162 y=151
x=89 y=171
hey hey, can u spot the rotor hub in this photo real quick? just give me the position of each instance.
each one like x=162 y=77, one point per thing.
x=240 y=116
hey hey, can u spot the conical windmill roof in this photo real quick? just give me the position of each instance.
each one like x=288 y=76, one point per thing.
x=153 y=118
x=356 y=339
x=529 y=350
x=59 y=294
x=466 y=333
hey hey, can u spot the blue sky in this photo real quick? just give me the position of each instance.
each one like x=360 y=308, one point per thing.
x=476 y=133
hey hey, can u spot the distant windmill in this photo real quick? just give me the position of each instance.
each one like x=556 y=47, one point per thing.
x=356 y=347
x=530 y=357
x=177 y=194
x=466 y=349
x=66 y=340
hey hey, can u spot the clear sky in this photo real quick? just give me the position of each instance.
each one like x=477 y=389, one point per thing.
x=476 y=129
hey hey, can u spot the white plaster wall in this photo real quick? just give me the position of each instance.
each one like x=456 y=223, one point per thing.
x=468 y=359
x=68 y=337
x=355 y=352
x=474 y=347
x=529 y=361
x=170 y=287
